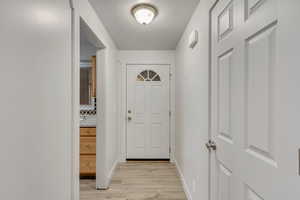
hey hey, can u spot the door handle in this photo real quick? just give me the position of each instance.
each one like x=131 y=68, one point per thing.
x=211 y=145
x=129 y=118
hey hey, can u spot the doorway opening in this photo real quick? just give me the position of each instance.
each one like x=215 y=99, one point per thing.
x=92 y=54
x=88 y=103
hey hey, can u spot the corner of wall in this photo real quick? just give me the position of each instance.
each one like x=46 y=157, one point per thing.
x=109 y=149
x=183 y=181
x=111 y=171
x=192 y=103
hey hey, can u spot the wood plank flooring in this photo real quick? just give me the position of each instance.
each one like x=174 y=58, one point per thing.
x=138 y=181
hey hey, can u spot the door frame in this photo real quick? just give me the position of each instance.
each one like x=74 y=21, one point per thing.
x=169 y=69
x=101 y=54
x=123 y=106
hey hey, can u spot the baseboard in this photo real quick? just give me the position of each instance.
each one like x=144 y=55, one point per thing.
x=184 y=184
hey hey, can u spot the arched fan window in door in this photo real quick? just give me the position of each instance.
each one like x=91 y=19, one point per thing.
x=148 y=75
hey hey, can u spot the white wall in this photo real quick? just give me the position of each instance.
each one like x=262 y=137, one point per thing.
x=110 y=122
x=143 y=57
x=36 y=98
x=87 y=51
x=35 y=103
x=192 y=90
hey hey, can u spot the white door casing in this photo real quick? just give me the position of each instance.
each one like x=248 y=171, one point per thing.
x=148 y=99
x=245 y=86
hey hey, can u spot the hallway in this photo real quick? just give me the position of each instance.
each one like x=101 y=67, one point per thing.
x=138 y=181
x=210 y=85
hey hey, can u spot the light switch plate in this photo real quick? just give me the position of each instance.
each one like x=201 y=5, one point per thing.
x=193 y=39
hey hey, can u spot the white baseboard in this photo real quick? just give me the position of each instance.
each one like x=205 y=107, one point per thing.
x=184 y=184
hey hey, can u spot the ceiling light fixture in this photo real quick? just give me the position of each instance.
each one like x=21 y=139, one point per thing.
x=144 y=13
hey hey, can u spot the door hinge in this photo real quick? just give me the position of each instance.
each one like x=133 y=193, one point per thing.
x=211 y=145
x=170 y=76
x=169 y=149
x=170 y=113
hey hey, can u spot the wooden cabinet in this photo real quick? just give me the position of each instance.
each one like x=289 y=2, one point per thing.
x=87 y=145
x=88 y=131
x=87 y=165
x=88 y=151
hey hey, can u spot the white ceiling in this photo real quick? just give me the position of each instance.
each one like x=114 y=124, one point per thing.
x=89 y=44
x=162 y=34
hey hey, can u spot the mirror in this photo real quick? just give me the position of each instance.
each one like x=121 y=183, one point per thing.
x=88 y=81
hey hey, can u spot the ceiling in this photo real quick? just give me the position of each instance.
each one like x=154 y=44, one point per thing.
x=162 y=34
x=89 y=43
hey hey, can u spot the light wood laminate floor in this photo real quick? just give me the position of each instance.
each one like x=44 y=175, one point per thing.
x=138 y=181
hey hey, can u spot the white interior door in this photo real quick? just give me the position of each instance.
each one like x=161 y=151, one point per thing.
x=148 y=112
x=249 y=162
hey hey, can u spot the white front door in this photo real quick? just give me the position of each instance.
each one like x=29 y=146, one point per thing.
x=148 y=107
x=250 y=162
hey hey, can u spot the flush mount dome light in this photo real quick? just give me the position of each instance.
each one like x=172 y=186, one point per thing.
x=144 y=13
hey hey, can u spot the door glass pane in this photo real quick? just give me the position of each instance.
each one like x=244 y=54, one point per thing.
x=151 y=74
x=156 y=78
x=139 y=78
x=144 y=74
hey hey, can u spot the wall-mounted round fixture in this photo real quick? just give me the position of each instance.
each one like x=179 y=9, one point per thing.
x=144 y=13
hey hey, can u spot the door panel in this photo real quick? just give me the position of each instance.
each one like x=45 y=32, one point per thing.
x=224 y=93
x=244 y=55
x=140 y=99
x=225 y=183
x=260 y=59
x=147 y=112
x=251 y=195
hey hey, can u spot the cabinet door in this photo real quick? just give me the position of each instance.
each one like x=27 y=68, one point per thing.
x=87 y=165
x=87 y=145
x=88 y=132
